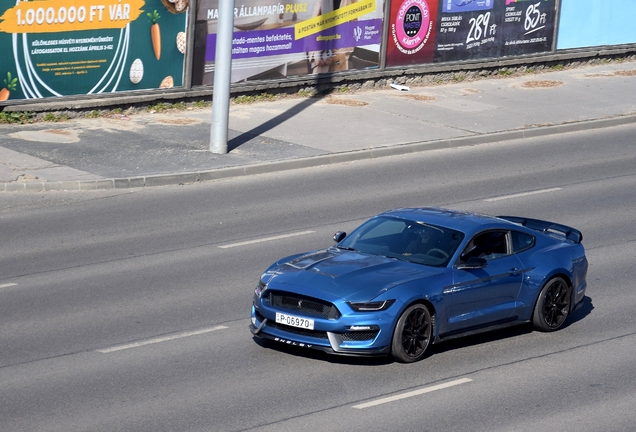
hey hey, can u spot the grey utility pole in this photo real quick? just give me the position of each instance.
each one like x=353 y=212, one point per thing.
x=222 y=73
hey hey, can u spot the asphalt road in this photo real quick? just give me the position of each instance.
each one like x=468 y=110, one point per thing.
x=128 y=311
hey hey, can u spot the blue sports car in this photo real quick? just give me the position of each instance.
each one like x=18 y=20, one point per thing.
x=411 y=277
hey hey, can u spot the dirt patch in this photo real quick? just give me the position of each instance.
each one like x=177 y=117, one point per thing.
x=48 y=136
x=470 y=90
x=59 y=132
x=542 y=84
x=611 y=74
x=26 y=178
x=177 y=121
x=535 y=125
x=422 y=98
x=626 y=73
x=347 y=102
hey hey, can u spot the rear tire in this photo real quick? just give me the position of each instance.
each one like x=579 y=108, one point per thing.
x=412 y=334
x=553 y=305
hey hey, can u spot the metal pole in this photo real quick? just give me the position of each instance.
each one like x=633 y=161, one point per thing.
x=222 y=73
x=187 y=73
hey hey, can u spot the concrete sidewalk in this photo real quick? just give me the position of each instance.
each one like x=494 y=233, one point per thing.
x=173 y=148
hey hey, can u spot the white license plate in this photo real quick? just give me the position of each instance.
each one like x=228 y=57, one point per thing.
x=294 y=321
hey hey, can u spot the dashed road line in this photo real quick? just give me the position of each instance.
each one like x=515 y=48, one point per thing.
x=412 y=393
x=266 y=239
x=520 y=195
x=7 y=285
x=159 y=340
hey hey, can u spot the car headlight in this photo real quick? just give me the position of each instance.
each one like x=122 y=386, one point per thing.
x=373 y=306
x=259 y=289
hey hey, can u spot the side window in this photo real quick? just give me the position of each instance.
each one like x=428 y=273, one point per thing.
x=488 y=245
x=521 y=241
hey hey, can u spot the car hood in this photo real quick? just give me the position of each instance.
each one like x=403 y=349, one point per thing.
x=349 y=275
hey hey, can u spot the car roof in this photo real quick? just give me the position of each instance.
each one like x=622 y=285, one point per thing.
x=467 y=222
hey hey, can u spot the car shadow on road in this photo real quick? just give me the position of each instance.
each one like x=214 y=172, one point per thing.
x=323 y=356
x=482 y=338
x=583 y=310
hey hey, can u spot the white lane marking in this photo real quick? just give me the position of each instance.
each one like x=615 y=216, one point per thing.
x=7 y=285
x=412 y=393
x=159 y=340
x=519 y=195
x=278 y=237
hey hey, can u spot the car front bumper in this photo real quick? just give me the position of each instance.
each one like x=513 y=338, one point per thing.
x=342 y=343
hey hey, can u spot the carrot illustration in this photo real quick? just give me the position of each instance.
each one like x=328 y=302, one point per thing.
x=10 y=85
x=155 y=35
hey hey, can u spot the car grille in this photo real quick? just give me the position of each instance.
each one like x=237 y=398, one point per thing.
x=305 y=305
x=297 y=331
x=358 y=336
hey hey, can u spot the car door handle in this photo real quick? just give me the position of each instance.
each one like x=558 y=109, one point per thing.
x=515 y=272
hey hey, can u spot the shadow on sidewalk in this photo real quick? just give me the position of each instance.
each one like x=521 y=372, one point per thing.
x=243 y=138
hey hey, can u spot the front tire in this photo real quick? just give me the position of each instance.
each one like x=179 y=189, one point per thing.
x=553 y=305
x=412 y=334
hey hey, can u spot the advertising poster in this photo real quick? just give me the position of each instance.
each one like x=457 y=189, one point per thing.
x=54 y=48
x=467 y=30
x=528 y=26
x=471 y=29
x=274 y=40
x=412 y=28
x=424 y=31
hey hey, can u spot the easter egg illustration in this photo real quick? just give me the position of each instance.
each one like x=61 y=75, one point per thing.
x=167 y=83
x=136 y=71
x=181 y=42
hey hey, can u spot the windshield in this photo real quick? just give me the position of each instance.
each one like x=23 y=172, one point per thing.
x=407 y=240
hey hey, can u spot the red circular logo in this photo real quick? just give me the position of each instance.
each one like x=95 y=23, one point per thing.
x=412 y=26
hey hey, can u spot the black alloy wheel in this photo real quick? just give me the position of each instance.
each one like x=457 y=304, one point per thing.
x=412 y=334
x=553 y=305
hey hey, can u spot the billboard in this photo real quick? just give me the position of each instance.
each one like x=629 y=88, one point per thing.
x=425 y=31
x=54 y=48
x=278 y=40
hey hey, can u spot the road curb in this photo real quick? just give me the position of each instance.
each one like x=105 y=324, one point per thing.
x=314 y=161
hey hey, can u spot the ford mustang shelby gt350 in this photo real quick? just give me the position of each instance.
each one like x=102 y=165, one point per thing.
x=411 y=277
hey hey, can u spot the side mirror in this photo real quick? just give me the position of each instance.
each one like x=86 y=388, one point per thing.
x=339 y=236
x=473 y=263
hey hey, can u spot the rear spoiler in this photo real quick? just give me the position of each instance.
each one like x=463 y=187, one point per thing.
x=570 y=233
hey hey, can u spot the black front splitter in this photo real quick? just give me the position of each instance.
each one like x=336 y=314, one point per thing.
x=258 y=333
